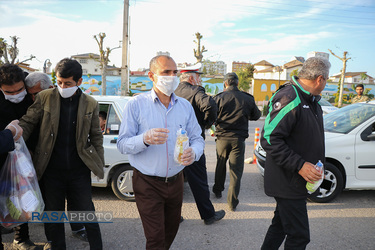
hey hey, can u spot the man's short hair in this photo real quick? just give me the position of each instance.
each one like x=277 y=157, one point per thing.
x=11 y=74
x=69 y=68
x=360 y=85
x=38 y=77
x=315 y=67
x=231 y=79
x=154 y=62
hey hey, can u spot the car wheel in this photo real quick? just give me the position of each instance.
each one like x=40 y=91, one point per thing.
x=334 y=175
x=121 y=183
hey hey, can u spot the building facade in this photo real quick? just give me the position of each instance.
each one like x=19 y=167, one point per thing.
x=214 y=68
x=238 y=66
x=91 y=65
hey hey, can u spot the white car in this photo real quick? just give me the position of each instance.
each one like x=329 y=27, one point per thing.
x=327 y=107
x=350 y=151
x=117 y=171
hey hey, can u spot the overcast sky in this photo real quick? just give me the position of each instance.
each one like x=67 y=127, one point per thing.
x=236 y=30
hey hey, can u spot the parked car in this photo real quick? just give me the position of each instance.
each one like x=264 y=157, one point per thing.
x=327 y=107
x=350 y=146
x=117 y=171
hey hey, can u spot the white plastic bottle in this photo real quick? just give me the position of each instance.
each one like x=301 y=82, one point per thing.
x=182 y=143
x=312 y=187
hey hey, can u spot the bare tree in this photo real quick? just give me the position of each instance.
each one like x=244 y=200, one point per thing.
x=344 y=59
x=198 y=53
x=104 y=59
x=9 y=52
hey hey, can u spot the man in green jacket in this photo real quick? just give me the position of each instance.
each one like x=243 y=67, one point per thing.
x=70 y=146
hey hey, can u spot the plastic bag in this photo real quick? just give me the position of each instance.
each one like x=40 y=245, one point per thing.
x=182 y=143
x=20 y=194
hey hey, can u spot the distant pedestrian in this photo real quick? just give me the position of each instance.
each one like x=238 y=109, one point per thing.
x=293 y=137
x=360 y=97
x=206 y=112
x=148 y=134
x=235 y=109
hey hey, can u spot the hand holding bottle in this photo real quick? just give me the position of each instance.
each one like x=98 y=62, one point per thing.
x=188 y=157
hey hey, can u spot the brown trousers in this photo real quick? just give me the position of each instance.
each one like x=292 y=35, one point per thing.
x=159 y=205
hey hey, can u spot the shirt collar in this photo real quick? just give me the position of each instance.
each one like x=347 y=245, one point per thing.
x=294 y=78
x=154 y=97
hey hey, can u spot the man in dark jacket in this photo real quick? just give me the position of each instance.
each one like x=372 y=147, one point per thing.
x=14 y=102
x=206 y=112
x=293 y=137
x=235 y=109
x=70 y=146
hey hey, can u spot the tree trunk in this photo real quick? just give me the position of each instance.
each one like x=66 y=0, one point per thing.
x=104 y=79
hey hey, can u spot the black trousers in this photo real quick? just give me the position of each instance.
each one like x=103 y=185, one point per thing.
x=234 y=151
x=75 y=186
x=290 y=221
x=197 y=177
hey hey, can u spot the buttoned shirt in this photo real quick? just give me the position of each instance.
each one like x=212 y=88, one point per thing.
x=144 y=112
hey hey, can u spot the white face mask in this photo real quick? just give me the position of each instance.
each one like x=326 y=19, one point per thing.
x=16 y=98
x=167 y=84
x=67 y=92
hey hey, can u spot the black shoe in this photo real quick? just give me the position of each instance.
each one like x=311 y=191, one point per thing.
x=218 y=216
x=182 y=219
x=218 y=195
x=232 y=209
x=81 y=235
x=24 y=245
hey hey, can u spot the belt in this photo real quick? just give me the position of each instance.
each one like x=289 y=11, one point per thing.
x=165 y=179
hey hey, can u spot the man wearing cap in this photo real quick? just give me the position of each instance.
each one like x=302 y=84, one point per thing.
x=235 y=109
x=206 y=112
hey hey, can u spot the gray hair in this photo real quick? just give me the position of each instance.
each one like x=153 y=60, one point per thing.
x=154 y=61
x=38 y=77
x=184 y=77
x=315 y=67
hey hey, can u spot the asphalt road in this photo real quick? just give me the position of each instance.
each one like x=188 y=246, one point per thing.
x=346 y=223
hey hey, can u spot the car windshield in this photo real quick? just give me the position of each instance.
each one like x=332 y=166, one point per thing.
x=324 y=102
x=348 y=117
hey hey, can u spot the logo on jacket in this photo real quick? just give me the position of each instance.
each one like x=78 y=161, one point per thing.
x=277 y=106
x=306 y=106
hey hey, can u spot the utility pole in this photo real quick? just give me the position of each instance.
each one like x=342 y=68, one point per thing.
x=344 y=60
x=125 y=43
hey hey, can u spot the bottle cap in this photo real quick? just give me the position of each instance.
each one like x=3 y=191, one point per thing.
x=183 y=131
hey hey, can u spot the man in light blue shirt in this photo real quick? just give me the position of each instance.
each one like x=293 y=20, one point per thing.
x=148 y=134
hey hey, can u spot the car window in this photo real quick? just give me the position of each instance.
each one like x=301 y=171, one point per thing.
x=113 y=122
x=324 y=102
x=347 y=118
